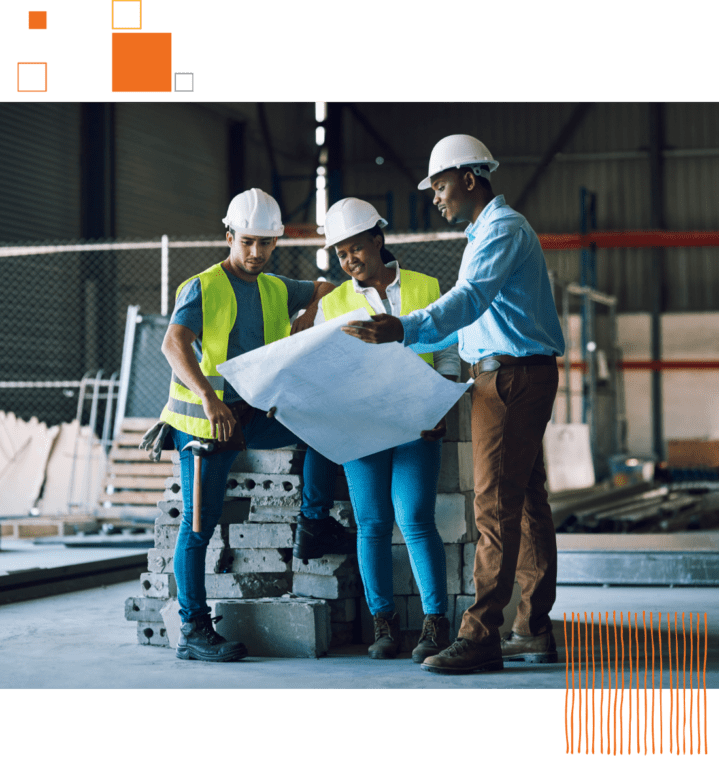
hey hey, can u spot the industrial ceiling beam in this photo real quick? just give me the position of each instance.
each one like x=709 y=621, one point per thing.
x=276 y=182
x=569 y=129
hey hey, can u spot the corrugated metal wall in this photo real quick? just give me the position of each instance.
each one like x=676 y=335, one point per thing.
x=39 y=171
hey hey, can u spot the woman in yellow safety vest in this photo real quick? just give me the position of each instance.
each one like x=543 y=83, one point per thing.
x=399 y=483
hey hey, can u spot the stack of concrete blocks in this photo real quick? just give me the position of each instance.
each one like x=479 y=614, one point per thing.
x=248 y=567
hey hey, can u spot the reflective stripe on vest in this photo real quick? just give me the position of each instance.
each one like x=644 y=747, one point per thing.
x=184 y=409
x=416 y=291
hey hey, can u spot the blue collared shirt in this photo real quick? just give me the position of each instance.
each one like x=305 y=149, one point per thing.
x=502 y=302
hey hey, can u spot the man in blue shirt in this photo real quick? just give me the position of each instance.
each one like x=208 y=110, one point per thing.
x=502 y=313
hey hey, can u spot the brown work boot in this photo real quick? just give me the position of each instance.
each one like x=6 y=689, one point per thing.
x=433 y=638
x=463 y=657
x=386 y=636
x=535 y=649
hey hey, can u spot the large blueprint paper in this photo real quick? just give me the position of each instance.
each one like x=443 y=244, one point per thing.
x=342 y=396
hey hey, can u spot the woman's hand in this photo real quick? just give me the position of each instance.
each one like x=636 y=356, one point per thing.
x=435 y=434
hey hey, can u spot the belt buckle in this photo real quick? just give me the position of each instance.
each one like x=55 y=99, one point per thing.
x=489 y=364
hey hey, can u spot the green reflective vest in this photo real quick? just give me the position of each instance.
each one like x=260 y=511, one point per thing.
x=416 y=291
x=184 y=409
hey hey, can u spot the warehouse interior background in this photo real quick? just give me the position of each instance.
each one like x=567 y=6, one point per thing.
x=105 y=208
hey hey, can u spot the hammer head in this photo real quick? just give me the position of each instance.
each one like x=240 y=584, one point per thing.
x=199 y=448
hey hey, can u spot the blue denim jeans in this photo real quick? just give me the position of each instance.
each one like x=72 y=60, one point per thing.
x=399 y=483
x=319 y=476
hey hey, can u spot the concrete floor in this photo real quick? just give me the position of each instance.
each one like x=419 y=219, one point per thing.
x=81 y=640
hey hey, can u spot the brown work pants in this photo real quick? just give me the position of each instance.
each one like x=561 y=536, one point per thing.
x=510 y=411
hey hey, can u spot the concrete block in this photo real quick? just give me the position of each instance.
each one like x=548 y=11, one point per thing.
x=342 y=633
x=170 y=513
x=343 y=610
x=172 y=621
x=463 y=602
x=281 y=461
x=245 y=585
x=415 y=612
x=271 y=511
x=260 y=561
x=329 y=565
x=403 y=582
x=327 y=587
x=468 y=568
x=459 y=419
x=158 y=585
x=251 y=484
x=144 y=608
x=456 y=472
x=268 y=536
x=152 y=633
x=166 y=536
x=285 y=627
x=162 y=560
x=453 y=559
x=343 y=513
x=454 y=516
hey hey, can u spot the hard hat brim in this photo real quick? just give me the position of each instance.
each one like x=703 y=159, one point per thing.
x=329 y=242
x=427 y=182
x=253 y=231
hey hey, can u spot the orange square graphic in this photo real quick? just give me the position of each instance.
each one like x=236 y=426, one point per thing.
x=38 y=20
x=112 y=15
x=141 y=61
x=31 y=63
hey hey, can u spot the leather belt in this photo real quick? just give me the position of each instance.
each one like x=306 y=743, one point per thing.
x=499 y=361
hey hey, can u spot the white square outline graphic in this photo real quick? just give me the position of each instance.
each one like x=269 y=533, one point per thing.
x=127 y=14
x=31 y=75
x=184 y=76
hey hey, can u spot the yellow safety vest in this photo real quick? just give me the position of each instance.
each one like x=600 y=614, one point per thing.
x=184 y=409
x=416 y=291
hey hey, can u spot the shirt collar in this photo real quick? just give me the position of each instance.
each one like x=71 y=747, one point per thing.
x=390 y=265
x=491 y=206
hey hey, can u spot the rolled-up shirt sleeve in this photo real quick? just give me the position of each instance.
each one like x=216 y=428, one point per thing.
x=486 y=267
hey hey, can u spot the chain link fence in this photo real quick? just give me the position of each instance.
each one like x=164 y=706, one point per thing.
x=64 y=306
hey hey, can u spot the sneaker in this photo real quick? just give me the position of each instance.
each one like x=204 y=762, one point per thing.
x=198 y=640
x=463 y=657
x=534 y=649
x=387 y=639
x=433 y=638
x=327 y=536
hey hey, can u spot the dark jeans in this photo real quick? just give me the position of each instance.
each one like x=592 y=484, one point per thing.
x=510 y=411
x=319 y=476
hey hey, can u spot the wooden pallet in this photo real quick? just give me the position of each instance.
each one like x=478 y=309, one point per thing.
x=134 y=484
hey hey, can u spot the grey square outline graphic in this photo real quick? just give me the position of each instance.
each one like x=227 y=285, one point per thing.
x=184 y=90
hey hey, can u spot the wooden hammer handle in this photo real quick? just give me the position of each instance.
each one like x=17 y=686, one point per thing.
x=197 y=496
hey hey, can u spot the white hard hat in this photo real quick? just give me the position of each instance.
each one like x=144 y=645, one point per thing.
x=254 y=212
x=456 y=151
x=349 y=217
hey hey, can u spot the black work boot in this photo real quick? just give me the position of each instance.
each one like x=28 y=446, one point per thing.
x=433 y=638
x=386 y=636
x=315 y=538
x=198 y=640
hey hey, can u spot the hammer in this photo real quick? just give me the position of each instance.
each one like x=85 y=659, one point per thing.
x=198 y=450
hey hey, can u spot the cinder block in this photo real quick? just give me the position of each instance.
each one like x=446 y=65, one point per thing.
x=454 y=517
x=281 y=461
x=403 y=582
x=162 y=560
x=468 y=568
x=267 y=536
x=260 y=561
x=343 y=610
x=286 y=627
x=329 y=565
x=457 y=470
x=272 y=511
x=170 y=513
x=343 y=513
x=463 y=602
x=459 y=419
x=144 y=608
x=453 y=559
x=415 y=612
x=172 y=621
x=251 y=484
x=158 y=585
x=234 y=511
x=245 y=585
x=152 y=633
x=166 y=537
x=327 y=587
